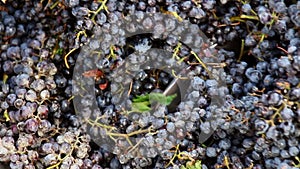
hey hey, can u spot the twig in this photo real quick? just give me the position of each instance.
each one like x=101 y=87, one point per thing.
x=66 y=57
x=130 y=88
x=242 y=50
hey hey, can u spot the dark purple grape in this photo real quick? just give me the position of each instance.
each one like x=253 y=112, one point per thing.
x=275 y=99
x=264 y=15
x=253 y=75
x=31 y=125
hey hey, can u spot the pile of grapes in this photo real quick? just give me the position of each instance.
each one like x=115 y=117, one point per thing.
x=73 y=93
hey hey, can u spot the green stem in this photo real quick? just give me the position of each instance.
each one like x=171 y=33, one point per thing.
x=242 y=50
x=251 y=17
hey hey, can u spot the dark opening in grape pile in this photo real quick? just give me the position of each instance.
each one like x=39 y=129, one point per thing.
x=257 y=45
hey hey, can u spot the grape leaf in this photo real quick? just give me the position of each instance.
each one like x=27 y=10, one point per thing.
x=198 y=165
x=140 y=106
x=161 y=98
x=170 y=99
x=142 y=103
x=141 y=98
x=192 y=165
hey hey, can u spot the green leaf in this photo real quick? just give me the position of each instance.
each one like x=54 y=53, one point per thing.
x=141 y=106
x=141 y=98
x=157 y=97
x=141 y=103
x=198 y=165
x=182 y=167
x=171 y=98
x=161 y=98
x=59 y=51
x=191 y=165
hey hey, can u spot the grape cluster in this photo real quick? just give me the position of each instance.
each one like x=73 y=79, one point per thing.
x=241 y=108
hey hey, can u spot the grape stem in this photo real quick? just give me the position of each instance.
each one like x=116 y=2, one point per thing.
x=102 y=6
x=201 y=63
x=66 y=57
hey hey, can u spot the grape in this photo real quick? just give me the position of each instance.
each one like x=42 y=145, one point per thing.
x=80 y=11
x=166 y=154
x=225 y=144
x=158 y=123
x=284 y=62
x=236 y=89
x=158 y=30
x=190 y=126
x=272 y=133
x=29 y=166
x=18 y=68
x=14 y=158
x=147 y=23
x=275 y=151
x=186 y=5
x=280 y=143
x=4 y=105
x=179 y=124
x=170 y=127
x=96 y=166
x=16 y=165
x=82 y=151
x=19 y=103
x=293 y=151
x=24 y=159
x=268 y=80
x=26 y=112
x=198 y=84
x=160 y=112
x=38 y=85
x=74 y=166
x=61 y=81
x=274 y=99
x=141 y=5
x=20 y=93
x=205 y=127
x=284 y=154
x=202 y=101
x=22 y=80
x=31 y=95
x=194 y=116
x=69 y=137
x=33 y=155
x=50 y=159
x=114 y=163
x=87 y=163
x=253 y=75
x=287 y=114
x=211 y=152
x=256 y=156
x=246 y=8
x=45 y=94
x=162 y=133
x=264 y=15
x=196 y=13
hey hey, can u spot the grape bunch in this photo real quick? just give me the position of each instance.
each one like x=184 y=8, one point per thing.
x=241 y=108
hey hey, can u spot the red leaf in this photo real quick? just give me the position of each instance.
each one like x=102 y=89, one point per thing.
x=93 y=73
